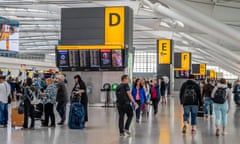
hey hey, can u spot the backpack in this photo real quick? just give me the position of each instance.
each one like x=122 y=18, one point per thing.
x=220 y=96
x=121 y=95
x=189 y=95
x=237 y=94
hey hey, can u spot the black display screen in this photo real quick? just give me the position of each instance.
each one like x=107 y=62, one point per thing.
x=63 y=59
x=74 y=58
x=94 y=58
x=84 y=58
x=181 y=74
x=117 y=59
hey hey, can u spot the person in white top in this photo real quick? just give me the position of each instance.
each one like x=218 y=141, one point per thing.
x=221 y=96
x=5 y=91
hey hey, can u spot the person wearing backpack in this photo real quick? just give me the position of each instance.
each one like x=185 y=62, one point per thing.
x=190 y=98
x=221 y=96
x=124 y=100
x=236 y=92
x=207 y=91
x=139 y=96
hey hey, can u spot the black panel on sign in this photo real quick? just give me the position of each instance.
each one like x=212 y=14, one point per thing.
x=83 y=26
x=177 y=60
x=83 y=23
x=208 y=72
x=195 y=68
x=82 y=34
x=90 y=12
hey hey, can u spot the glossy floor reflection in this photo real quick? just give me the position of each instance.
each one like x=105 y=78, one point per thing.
x=102 y=129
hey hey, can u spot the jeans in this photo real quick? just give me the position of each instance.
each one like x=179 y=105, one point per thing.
x=28 y=111
x=3 y=113
x=155 y=105
x=61 y=109
x=193 y=109
x=48 y=110
x=221 y=114
x=208 y=104
x=138 y=110
x=122 y=110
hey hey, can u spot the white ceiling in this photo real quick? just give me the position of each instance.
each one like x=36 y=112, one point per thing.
x=207 y=28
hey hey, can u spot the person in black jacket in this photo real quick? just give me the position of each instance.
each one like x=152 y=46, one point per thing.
x=190 y=98
x=80 y=91
x=163 y=91
x=62 y=98
x=28 y=107
x=207 y=91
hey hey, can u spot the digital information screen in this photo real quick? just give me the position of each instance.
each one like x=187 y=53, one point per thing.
x=63 y=59
x=94 y=58
x=117 y=59
x=181 y=74
x=74 y=58
x=106 y=58
x=90 y=60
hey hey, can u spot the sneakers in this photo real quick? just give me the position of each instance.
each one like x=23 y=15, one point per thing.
x=194 y=131
x=127 y=132
x=184 y=130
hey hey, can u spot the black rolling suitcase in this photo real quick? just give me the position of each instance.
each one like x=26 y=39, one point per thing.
x=200 y=111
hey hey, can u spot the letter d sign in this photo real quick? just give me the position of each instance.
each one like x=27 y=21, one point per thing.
x=114 y=26
x=114 y=19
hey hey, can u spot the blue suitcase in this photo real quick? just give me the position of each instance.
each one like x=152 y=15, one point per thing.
x=76 y=116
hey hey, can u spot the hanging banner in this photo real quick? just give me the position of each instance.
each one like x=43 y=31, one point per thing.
x=164 y=51
x=186 y=60
x=202 y=69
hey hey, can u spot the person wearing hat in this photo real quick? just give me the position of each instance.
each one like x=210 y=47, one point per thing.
x=5 y=91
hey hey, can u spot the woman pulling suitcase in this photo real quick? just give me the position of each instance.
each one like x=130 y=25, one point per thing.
x=80 y=91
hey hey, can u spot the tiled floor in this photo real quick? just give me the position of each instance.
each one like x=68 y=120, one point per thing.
x=102 y=129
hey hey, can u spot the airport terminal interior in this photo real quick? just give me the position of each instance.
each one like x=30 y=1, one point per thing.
x=67 y=59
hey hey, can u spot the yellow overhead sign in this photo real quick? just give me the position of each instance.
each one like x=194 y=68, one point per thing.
x=164 y=51
x=185 y=60
x=114 y=25
x=213 y=74
x=202 y=69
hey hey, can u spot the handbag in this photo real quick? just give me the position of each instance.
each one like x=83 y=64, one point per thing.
x=21 y=108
